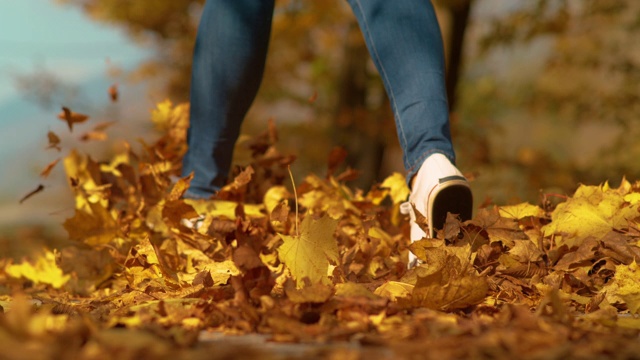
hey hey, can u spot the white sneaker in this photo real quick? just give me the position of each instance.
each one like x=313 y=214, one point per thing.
x=193 y=223
x=438 y=188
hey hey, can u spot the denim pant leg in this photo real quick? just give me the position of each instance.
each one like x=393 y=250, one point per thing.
x=404 y=40
x=228 y=63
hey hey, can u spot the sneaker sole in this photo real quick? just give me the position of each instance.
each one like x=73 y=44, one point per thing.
x=451 y=196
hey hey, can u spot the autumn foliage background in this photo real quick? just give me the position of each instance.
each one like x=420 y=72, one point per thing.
x=324 y=261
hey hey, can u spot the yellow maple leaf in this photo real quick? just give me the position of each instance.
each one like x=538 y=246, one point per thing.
x=593 y=211
x=520 y=211
x=309 y=254
x=447 y=282
x=398 y=189
x=43 y=271
x=625 y=287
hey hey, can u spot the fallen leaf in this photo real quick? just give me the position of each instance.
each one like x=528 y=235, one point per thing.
x=520 y=211
x=447 y=283
x=394 y=290
x=592 y=211
x=309 y=254
x=315 y=293
x=525 y=251
x=625 y=287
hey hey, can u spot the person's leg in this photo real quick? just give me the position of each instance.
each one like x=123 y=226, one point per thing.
x=403 y=38
x=228 y=64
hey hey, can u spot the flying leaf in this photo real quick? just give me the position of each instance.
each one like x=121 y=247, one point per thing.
x=93 y=136
x=97 y=133
x=47 y=170
x=71 y=117
x=44 y=271
x=54 y=141
x=33 y=192
x=309 y=254
x=113 y=92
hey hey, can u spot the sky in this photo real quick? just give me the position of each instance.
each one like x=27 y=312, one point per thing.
x=60 y=39
x=41 y=33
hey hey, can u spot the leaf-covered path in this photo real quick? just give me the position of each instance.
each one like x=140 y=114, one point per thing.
x=519 y=281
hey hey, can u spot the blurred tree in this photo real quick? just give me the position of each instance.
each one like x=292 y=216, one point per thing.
x=316 y=52
x=590 y=76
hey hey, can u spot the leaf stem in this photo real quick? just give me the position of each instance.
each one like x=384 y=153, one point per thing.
x=295 y=194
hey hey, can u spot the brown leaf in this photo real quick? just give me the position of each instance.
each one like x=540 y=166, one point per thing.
x=525 y=251
x=620 y=245
x=244 y=177
x=204 y=278
x=37 y=190
x=498 y=228
x=54 y=141
x=113 y=92
x=448 y=285
x=48 y=168
x=583 y=254
x=451 y=227
x=71 y=117
x=281 y=212
x=246 y=258
x=174 y=211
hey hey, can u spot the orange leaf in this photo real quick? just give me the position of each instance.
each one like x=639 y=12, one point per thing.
x=94 y=135
x=47 y=170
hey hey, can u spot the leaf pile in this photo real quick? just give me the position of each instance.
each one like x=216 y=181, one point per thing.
x=516 y=281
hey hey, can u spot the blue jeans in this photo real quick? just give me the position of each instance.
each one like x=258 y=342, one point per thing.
x=403 y=38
